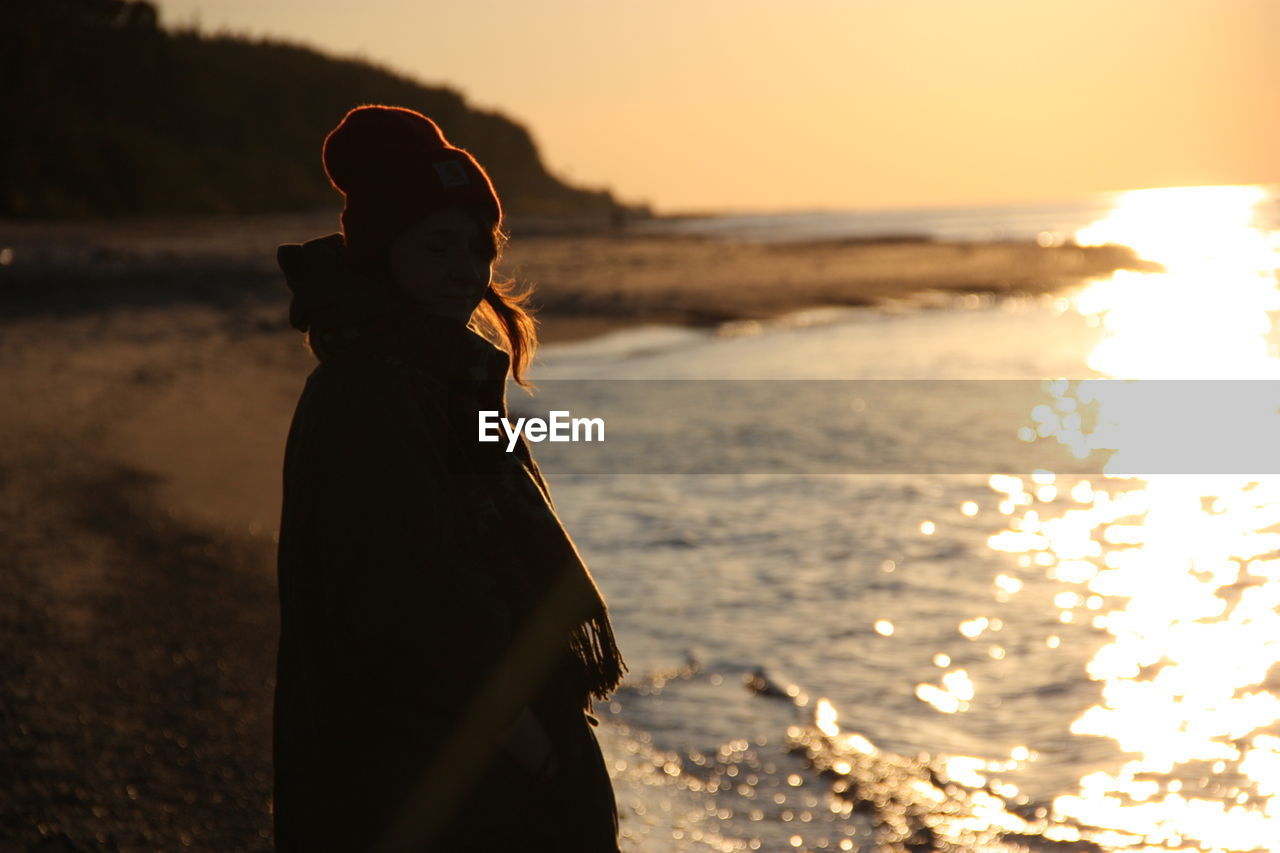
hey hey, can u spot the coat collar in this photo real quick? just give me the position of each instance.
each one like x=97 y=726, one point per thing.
x=485 y=361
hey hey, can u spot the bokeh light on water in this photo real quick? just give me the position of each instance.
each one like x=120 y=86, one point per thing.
x=1182 y=573
x=967 y=661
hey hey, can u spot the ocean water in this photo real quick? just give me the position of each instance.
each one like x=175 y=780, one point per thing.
x=988 y=660
x=1049 y=220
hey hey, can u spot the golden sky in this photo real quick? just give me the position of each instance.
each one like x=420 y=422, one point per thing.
x=740 y=104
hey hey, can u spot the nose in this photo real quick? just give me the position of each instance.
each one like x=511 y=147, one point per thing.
x=481 y=268
x=471 y=270
x=475 y=271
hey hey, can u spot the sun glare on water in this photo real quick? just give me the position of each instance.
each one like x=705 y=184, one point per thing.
x=1207 y=315
x=1180 y=572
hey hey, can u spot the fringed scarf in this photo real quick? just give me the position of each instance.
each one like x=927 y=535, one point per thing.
x=541 y=573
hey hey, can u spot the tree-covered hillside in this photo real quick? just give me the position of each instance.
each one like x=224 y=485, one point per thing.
x=111 y=114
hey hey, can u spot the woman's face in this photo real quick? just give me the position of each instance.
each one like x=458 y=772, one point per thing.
x=444 y=263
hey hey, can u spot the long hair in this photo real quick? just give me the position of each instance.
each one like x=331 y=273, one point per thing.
x=504 y=316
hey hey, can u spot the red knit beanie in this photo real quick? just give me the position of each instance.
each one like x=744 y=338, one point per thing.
x=394 y=167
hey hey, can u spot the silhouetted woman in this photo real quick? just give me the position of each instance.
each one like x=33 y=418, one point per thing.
x=441 y=639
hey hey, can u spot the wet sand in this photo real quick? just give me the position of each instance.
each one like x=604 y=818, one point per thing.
x=591 y=284
x=149 y=394
x=586 y=280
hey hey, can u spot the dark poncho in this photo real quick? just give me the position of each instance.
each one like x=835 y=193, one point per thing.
x=428 y=592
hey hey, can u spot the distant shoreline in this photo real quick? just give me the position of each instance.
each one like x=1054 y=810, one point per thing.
x=588 y=285
x=587 y=278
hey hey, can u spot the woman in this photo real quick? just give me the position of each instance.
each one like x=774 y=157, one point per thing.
x=441 y=639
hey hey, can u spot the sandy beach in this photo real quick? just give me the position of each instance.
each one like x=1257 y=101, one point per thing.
x=152 y=374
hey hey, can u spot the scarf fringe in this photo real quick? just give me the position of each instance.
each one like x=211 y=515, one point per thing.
x=593 y=643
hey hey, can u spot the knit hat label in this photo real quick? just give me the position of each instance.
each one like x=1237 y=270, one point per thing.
x=451 y=173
